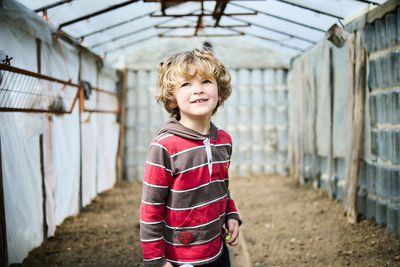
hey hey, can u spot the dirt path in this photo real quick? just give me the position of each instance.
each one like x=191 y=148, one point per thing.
x=284 y=225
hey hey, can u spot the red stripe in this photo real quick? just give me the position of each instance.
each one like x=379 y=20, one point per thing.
x=201 y=215
x=152 y=213
x=195 y=252
x=153 y=249
x=230 y=207
x=191 y=179
x=157 y=175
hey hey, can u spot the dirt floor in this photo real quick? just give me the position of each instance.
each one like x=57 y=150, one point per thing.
x=284 y=225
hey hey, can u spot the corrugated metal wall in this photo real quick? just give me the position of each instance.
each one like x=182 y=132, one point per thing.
x=255 y=115
x=379 y=178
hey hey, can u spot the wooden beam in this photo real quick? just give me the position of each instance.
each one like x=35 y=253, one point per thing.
x=121 y=147
x=382 y=10
x=354 y=144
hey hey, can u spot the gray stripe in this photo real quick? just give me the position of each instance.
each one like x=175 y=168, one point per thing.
x=157 y=155
x=195 y=188
x=154 y=185
x=154 y=194
x=203 y=195
x=199 y=205
x=196 y=158
x=151 y=231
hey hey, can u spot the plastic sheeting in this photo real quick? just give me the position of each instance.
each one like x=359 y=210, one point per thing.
x=22 y=181
x=24 y=19
x=63 y=152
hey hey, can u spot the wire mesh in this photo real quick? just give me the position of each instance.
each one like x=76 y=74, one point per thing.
x=22 y=90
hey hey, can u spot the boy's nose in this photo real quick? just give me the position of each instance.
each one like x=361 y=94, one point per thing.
x=198 y=89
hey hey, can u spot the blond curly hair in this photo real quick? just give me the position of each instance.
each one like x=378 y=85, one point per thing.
x=205 y=64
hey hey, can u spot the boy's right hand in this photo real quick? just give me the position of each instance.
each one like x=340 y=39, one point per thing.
x=168 y=264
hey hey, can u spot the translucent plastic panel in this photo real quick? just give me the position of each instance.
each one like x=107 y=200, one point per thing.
x=391 y=28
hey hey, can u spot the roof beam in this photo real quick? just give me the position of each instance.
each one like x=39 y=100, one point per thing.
x=116 y=25
x=309 y=8
x=197 y=15
x=268 y=39
x=219 y=10
x=129 y=34
x=204 y=26
x=281 y=18
x=367 y=2
x=47 y=7
x=205 y=35
x=274 y=30
x=135 y=42
x=199 y=27
x=97 y=13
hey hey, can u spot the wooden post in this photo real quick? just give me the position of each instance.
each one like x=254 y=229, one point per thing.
x=330 y=125
x=121 y=148
x=354 y=148
x=44 y=196
x=3 y=229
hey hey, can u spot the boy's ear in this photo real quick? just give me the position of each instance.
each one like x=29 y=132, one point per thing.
x=220 y=99
x=173 y=105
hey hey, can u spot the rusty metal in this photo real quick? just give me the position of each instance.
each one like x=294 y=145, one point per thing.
x=96 y=13
x=22 y=90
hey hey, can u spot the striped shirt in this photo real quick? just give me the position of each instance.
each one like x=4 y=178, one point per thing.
x=185 y=200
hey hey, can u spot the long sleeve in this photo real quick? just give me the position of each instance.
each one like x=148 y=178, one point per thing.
x=156 y=182
x=231 y=210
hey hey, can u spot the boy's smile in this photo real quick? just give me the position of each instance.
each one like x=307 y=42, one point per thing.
x=196 y=98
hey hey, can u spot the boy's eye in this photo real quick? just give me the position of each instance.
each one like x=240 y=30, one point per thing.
x=206 y=81
x=185 y=84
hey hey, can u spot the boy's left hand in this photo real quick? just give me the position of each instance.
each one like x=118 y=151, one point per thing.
x=233 y=229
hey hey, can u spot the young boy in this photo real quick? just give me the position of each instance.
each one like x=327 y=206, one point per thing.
x=186 y=201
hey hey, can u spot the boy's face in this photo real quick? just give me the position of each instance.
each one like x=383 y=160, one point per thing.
x=196 y=97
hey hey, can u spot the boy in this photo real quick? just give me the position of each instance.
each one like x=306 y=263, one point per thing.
x=186 y=200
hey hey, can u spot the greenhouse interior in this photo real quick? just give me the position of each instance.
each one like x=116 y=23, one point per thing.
x=315 y=97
